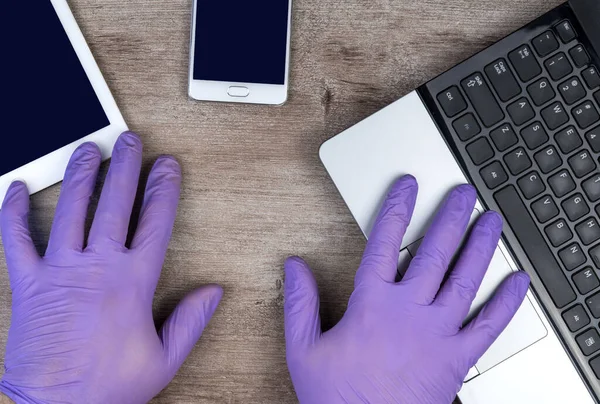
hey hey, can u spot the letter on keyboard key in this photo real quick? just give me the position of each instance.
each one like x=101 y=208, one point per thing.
x=586 y=281
x=591 y=187
x=482 y=99
x=555 y=116
x=521 y=111
x=452 y=101
x=572 y=256
x=531 y=185
x=588 y=231
x=524 y=63
x=534 y=245
x=561 y=183
x=575 y=207
x=568 y=139
x=503 y=80
x=541 y=92
x=595 y=254
x=582 y=163
x=545 y=209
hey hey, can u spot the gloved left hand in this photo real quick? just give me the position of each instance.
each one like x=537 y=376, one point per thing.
x=82 y=328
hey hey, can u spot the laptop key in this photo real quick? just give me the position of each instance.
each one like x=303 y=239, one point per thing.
x=452 y=101
x=534 y=135
x=558 y=66
x=493 y=175
x=572 y=256
x=575 y=207
x=555 y=116
x=558 y=233
x=525 y=63
x=504 y=137
x=582 y=163
x=593 y=138
x=548 y=159
x=544 y=209
x=576 y=318
x=568 y=140
x=586 y=281
x=572 y=90
x=535 y=246
x=466 y=127
x=590 y=75
x=579 y=56
x=597 y=97
x=565 y=31
x=502 y=80
x=541 y=92
x=586 y=114
x=531 y=185
x=593 y=303
x=517 y=161
x=595 y=365
x=591 y=187
x=545 y=44
x=521 y=111
x=561 y=183
x=480 y=151
x=588 y=231
x=482 y=99
x=589 y=341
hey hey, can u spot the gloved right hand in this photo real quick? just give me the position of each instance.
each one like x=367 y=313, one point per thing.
x=401 y=342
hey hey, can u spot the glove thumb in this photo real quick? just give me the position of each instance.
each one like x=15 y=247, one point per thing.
x=302 y=321
x=185 y=325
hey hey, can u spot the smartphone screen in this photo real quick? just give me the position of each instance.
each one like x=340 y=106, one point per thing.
x=241 y=41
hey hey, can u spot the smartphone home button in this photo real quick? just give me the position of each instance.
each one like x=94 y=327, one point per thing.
x=238 y=91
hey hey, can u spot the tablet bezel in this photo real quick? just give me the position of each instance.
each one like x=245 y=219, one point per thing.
x=49 y=169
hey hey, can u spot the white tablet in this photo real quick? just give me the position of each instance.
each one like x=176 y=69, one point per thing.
x=54 y=96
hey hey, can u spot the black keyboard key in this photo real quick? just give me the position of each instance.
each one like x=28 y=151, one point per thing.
x=558 y=66
x=582 y=163
x=586 y=114
x=595 y=365
x=517 y=161
x=591 y=187
x=586 y=281
x=568 y=140
x=502 y=80
x=504 y=137
x=565 y=31
x=534 y=245
x=494 y=175
x=597 y=97
x=575 y=207
x=576 y=318
x=521 y=111
x=595 y=254
x=534 y=135
x=593 y=303
x=466 y=127
x=525 y=63
x=531 y=185
x=548 y=159
x=589 y=341
x=545 y=44
x=561 y=183
x=590 y=75
x=558 y=233
x=480 y=151
x=579 y=56
x=572 y=256
x=545 y=209
x=482 y=99
x=555 y=116
x=452 y=101
x=593 y=138
x=541 y=92
x=572 y=90
x=588 y=231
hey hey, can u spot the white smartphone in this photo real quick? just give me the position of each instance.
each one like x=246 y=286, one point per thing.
x=240 y=51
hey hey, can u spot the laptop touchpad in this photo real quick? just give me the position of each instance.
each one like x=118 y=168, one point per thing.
x=524 y=330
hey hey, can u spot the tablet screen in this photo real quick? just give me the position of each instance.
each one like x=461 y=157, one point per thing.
x=48 y=100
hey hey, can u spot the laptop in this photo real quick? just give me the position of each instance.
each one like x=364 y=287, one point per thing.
x=520 y=121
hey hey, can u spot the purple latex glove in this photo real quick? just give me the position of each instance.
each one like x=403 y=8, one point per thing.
x=401 y=342
x=82 y=329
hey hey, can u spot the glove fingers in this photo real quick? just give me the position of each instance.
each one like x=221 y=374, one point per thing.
x=77 y=188
x=185 y=325
x=301 y=308
x=380 y=260
x=427 y=270
x=484 y=329
x=111 y=222
x=18 y=247
x=459 y=291
x=158 y=211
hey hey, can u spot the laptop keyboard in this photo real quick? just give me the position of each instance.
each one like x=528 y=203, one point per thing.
x=533 y=131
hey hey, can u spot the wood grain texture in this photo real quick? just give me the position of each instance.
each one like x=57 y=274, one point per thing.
x=254 y=190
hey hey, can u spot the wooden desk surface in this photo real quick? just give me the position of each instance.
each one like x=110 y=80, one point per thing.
x=254 y=190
